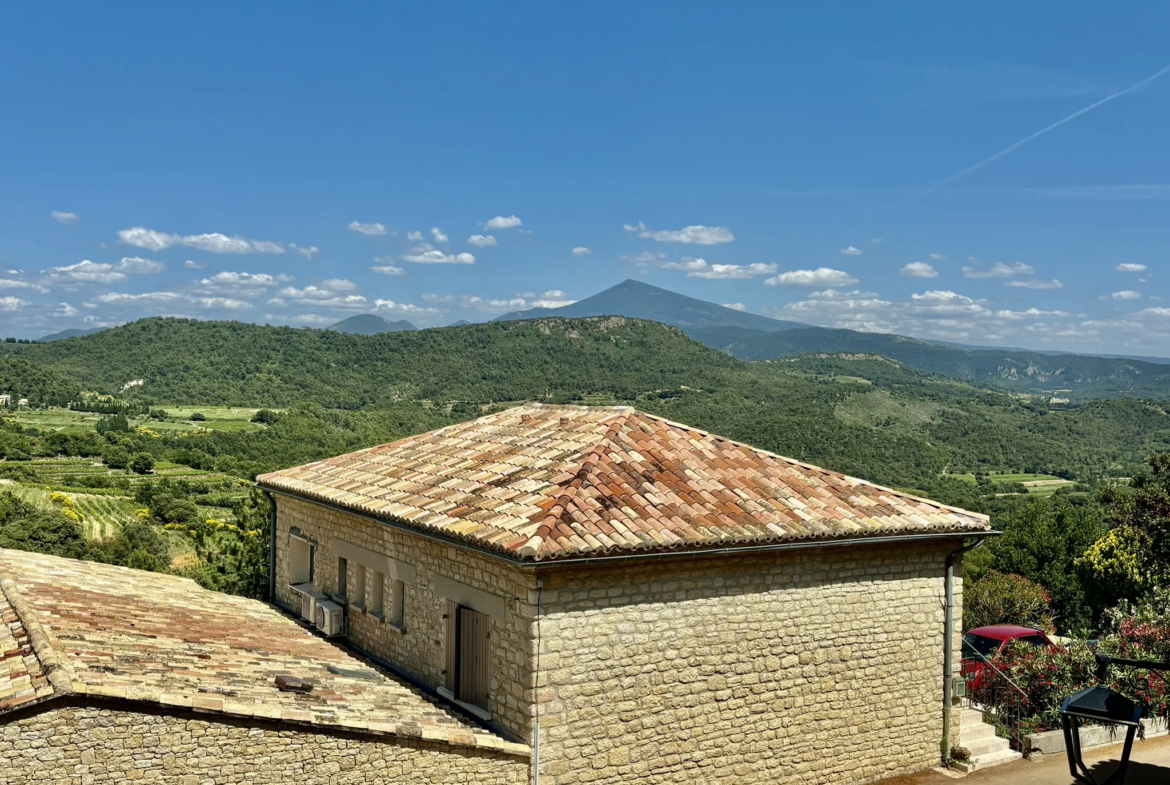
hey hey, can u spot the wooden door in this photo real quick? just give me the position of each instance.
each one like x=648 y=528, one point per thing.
x=474 y=671
x=451 y=672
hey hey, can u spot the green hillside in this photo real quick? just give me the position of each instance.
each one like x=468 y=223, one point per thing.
x=867 y=416
x=1067 y=375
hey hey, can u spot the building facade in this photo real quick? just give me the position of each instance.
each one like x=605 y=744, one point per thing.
x=635 y=599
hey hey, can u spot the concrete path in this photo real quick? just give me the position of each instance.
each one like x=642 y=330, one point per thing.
x=1149 y=764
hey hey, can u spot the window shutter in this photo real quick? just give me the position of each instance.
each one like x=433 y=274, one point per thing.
x=474 y=673
x=450 y=675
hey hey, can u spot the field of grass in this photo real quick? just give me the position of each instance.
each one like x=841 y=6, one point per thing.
x=219 y=418
x=1037 y=484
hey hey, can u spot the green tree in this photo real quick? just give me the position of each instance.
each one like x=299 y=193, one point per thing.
x=116 y=456
x=142 y=462
x=1042 y=544
x=1143 y=508
x=999 y=598
x=26 y=527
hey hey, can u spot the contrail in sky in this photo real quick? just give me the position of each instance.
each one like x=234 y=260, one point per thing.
x=1043 y=131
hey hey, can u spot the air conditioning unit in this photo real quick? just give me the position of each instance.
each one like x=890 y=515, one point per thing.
x=329 y=618
x=309 y=599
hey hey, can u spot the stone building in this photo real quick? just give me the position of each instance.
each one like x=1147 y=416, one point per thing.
x=634 y=599
x=110 y=675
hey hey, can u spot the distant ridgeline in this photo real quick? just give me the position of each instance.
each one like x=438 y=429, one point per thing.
x=860 y=412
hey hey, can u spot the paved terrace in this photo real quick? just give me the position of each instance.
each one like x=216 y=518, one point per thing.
x=1149 y=764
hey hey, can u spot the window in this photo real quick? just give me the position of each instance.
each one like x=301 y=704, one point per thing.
x=300 y=561
x=377 y=588
x=468 y=672
x=342 y=576
x=398 y=604
x=359 y=586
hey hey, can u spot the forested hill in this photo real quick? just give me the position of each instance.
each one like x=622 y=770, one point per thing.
x=1082 y=375
x=869 y=417
x=237 y=363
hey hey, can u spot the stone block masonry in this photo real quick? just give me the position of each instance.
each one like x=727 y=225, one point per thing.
x=418 y=648
x=92 y=744
x=820 y=666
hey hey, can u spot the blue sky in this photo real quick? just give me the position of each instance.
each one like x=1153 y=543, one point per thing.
x=296 y=163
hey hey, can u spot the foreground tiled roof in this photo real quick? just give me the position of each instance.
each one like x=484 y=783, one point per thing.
x=120 y=633
x=548 y=482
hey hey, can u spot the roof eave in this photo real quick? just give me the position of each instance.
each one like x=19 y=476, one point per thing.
x=537 y=560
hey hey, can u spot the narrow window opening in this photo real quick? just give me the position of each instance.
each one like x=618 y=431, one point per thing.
x=377 y=588
x=342 y=576
x=398 y=604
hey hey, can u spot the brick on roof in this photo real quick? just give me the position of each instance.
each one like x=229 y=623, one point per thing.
x=115 y=632
x=547 y=482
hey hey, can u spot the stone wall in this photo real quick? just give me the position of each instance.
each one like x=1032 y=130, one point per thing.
x=83 y=744
x=419 y=650
x=817 y=666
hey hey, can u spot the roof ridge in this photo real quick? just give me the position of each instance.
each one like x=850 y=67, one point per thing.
x=803 y=465
x=54 y=666
x=566 y=490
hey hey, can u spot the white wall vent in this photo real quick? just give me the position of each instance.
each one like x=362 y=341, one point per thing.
x=329 y=618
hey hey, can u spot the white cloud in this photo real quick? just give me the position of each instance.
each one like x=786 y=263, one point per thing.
x=1053 y=284
x=732 y=271
x=213 y=242
x=999 y=270
x=1155 y=312
x=502 y=222
x=638 y=227
x=1128 y=294
x=308 y=318
x=414 y=236
x=193 y=265
x=136 y=264
x=942 y=303
x=699 y=235
x=581 y=250
x=938 y=257
x=822 y=276
x=645 y=257
x=481 y=240
x=367 y=229
x=387 y=269
x=1129 y=267
x=1031 y=313
x=247 y=279
x=426 y=254
x=10 y=303
x=66 y=311
x=308 y=253
x=735 y=306
x=919 y=270
x=85 y=271
x=65 y=218
x=15 y=283
x=174 y=298
x=279 y=302
x=328 y=295
x=851 y=251
x=688 y=264
x=404 y=309
x=437 y=233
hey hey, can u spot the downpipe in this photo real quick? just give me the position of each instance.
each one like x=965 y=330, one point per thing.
x=949 y=643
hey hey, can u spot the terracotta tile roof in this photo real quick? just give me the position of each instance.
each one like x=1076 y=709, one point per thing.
x=548 y=482
x=121 y=633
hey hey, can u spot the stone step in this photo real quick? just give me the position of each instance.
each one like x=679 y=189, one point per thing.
x=995 y=758
x=973 y=733
x=970 y=717
x=987 y=746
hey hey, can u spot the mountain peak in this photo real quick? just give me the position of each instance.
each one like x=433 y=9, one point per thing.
x=640 y=300
x=370 y=324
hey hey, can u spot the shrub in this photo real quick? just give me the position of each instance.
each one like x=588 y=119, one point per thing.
x=198 y=417
x=1000 y=598
x=265 y=417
